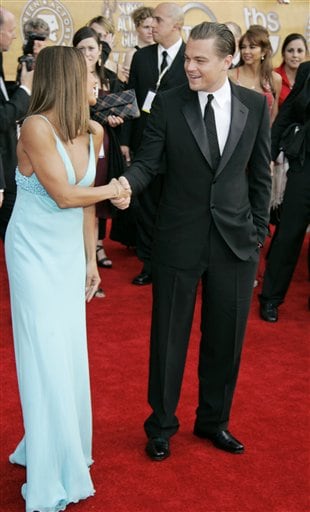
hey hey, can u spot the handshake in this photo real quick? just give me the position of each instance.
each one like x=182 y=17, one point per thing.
x=123 y=193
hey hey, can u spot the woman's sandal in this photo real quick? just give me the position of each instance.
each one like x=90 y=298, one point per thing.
x=99 y=293
x=102 y=259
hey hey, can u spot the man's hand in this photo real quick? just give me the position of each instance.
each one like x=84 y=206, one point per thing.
x=26 y=77
x=124 y=201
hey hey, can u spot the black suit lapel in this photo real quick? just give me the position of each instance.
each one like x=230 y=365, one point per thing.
x=177 y=64
x=193 y=116
x=1 y=66
x=239 y=114
x=152 y=63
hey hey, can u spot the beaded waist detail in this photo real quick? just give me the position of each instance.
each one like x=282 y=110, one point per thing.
x=30 y=184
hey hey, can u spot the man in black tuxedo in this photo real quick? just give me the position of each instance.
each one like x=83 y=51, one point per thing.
x=14 y=102
x=212 y=220
x=158 y=67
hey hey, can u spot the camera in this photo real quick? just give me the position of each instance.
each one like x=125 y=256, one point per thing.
x=28 y=56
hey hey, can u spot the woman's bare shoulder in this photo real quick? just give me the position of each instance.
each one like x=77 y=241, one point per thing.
x=37 y=128
x=276 y=77
x=232 y=74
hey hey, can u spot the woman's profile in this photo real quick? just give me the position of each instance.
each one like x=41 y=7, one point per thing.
x=51 y=260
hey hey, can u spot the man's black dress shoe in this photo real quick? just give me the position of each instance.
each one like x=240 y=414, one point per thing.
x=157 y=448
x=222 y=440
x=269 y=312
x=142 y=279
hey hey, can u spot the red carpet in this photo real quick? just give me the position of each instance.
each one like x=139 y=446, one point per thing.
x=270 y=413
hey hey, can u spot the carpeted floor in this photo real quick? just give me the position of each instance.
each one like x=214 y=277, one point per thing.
x=270 y=413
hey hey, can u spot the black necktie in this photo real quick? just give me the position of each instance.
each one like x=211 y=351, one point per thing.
x=209 y=120
x=164 y=62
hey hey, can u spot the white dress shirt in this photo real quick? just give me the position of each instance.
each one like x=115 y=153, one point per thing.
x=171 y=53
x=222 y=111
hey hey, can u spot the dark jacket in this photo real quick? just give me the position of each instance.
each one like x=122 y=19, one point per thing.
x=236 y=197
x=143 y=77
x=10 y=112
x=295 y=112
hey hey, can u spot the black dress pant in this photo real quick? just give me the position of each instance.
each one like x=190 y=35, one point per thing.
x=289 y=236
x=227 y=287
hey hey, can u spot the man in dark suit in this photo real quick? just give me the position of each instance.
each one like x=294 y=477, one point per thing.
x=157 y=67
x=212 y=220
x=14 y=102
x=288 y=238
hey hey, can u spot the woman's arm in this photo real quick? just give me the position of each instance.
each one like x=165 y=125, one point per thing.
x=92 y=274
x=38 y=143
x=277 y=83
x=127 y=62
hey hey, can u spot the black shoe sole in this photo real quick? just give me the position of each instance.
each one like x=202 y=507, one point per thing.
x=155 y=457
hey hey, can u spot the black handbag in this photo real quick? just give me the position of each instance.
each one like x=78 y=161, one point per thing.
x=293 y=141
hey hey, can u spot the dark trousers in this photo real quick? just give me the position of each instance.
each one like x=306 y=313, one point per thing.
x=227 y=287
x=288 y=238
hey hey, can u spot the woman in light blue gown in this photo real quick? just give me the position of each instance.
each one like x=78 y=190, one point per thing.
x=51 y=259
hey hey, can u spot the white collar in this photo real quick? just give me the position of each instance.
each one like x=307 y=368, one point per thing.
x=172 y=50
x=221 y=95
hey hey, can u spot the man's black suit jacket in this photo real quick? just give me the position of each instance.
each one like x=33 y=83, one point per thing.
x=236 y=196
x=10 y=112
x=143 y=77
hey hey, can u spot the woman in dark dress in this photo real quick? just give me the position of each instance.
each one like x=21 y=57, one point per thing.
x=290 y=132
x=110 y=160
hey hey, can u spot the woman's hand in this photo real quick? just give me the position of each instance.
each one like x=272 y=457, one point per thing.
x=122 y=201
x=115 y=121
x=92 y=280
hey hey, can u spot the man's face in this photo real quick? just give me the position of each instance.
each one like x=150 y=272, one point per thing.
x=7 y=31
x=163 y=25
x=204 y=69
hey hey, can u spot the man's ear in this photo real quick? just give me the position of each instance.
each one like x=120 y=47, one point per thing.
x=227 y=62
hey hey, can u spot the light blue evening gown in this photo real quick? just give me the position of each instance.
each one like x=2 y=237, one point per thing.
x=46 y=265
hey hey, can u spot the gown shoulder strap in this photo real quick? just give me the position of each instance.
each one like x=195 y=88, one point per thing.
x=47 y=120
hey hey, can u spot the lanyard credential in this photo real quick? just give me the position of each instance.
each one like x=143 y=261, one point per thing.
x=151 y=94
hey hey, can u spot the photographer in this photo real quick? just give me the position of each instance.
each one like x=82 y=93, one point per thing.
x=36 y=32
x=14 y=102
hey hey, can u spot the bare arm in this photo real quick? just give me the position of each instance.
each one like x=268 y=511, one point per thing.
x=127 y=62
x=92 y=274
x=277 y=80
x=37 y=152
